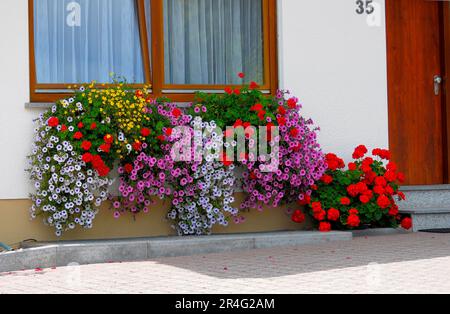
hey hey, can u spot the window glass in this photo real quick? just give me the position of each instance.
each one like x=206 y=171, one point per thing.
x=85 y=40
x=210 y=41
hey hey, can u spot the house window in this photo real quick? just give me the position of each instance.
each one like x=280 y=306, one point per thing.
x=175 y=46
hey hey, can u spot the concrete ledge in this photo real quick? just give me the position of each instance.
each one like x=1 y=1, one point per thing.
x=415 y=188
x=378 y=232
x=425 y=211
x=47 y=255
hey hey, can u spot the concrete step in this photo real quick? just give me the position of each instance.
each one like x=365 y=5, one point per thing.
x=430 y=196
x=429 y=206
x=429 y=218
x=47 y=255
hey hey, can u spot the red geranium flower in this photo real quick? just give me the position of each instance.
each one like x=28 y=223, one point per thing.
x=229 y=91
x=103 y=171
x=327 y=179
x=353 y=221
x=93 y=126
x=253 y=85
x=262 y=115
x=401 y=195
x=257 y=107
x=378 y=190
x=282 y=110
x=109 y=139
x=87 y=157
x=320 y=215
x=390 y=175
x=352 y=166
x=381 y=181
x=294 y=132
x=169 y=131
x=64 y=128
x=80 y=125
x=78 y=136
x=292 y=103
x=86 y=145
x=306 y=200
x=333 y=214
x=316 y=206
x=390 y=190
x=237 y=91
x=145 y=132
x=393 y=211
x=392 y=166
x=281 y=121
x=334 y=162
x=241 y=75
x=139 y=93
x=324 y=227
x=360 y=152
x=345 y=201
x=364 y=199
x=298 y=217
x=382 y=153
x=176 y=113
x=297 y=147
x=383 y=201
x=407 y=223
x=128 y=168
x=162 y=138
x=353 y=211
x=353 y=190
x=106 y=148
x=137 y=146
x=53 y=122
x=225 y=160
x=238 y=123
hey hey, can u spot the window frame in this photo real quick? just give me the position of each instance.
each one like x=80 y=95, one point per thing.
x=154 y=71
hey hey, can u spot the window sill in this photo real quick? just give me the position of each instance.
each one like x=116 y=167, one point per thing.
x=38 y=105
x=48 y=105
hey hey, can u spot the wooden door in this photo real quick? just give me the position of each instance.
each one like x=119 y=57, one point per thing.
x=417 y=126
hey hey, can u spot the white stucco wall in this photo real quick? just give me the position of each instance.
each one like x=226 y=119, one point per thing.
x=336 y=64
x=329 y=57
x=16 y=127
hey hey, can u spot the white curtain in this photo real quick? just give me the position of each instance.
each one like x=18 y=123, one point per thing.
x=210 y=41
x=104 y=40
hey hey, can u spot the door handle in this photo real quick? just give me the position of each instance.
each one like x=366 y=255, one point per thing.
x=437 y=84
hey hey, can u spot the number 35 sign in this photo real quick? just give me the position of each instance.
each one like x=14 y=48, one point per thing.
x=372 y=9
x=365 y=7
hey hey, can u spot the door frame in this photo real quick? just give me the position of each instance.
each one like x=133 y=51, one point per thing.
x=445 y=65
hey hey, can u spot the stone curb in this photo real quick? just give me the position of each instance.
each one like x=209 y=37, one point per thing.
x=378 y=232
x=97 y=252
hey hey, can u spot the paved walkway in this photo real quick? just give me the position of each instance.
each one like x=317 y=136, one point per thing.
x=413 y=263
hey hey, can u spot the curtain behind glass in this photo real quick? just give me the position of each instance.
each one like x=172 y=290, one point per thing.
x=105 y=40
x=210 y=41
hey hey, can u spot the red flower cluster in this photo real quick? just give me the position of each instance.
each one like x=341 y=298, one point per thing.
x=97 y=163
x=360 y=152
x=370 y=187
x=382 y=153
x=298 y=217
x=334 y=162
x=145 y=132
x=53 y=122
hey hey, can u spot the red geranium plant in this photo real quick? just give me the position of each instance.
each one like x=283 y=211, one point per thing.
x=363 y=196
